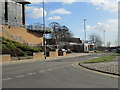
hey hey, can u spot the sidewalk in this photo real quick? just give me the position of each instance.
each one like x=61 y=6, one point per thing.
x=72 y=55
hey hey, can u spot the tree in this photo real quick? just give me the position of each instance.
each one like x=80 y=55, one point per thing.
x=96 y=39
x=59 y=32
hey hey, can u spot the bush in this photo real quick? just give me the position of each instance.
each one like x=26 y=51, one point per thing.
x=14 y=52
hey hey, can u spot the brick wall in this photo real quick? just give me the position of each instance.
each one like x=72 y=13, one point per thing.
x=38 y=56
x=53 y=54
x=4 y=58
x=64 y=54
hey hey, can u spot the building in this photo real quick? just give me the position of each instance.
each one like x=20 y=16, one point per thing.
x=65 y=43
x=13 y=24
x=12 y=12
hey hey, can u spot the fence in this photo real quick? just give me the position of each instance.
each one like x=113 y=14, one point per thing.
x=11 y=23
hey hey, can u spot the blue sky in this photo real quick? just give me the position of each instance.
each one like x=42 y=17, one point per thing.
x=100 y=16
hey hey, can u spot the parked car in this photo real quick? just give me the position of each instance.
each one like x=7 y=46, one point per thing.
x=62 y=50
x=118 y=50
x=106 y=50
x=68 y=51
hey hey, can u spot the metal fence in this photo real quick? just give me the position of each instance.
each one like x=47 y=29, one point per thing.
x=29 y=27
x=11 y=23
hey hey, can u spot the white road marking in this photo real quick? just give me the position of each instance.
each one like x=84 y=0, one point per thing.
x=30 y=73
x=6 y=79
x=42 y=71
x=19 y=76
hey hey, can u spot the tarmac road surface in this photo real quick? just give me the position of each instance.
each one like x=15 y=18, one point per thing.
x=61 y=73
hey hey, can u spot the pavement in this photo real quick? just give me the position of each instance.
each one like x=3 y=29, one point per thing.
x=105 y=67
x=60 y=73
x=71 y=55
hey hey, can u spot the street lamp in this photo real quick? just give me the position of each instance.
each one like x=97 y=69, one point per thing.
x=104 y=38
x=85 y=29
x=44 y=30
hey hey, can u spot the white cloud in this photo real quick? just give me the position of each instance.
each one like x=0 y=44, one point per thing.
x=109 y=25
x=106 y=5
x=69 y=1
x=34 y=12
x=60 y=11
x=54 y=18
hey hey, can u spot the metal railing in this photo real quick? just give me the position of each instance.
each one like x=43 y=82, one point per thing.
x=12 y=23
x=29 y=27
x=39 y=28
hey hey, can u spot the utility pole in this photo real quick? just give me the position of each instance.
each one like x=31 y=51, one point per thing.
x=44 y=30
x=85 y=30
x=104 y=38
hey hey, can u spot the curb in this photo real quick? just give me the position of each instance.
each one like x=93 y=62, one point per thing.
x=98 y=70
x=49 y=59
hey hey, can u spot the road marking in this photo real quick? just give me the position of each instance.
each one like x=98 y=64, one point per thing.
x=42 y=71
x=32 y=73
x=19 y=76
x=6 y=79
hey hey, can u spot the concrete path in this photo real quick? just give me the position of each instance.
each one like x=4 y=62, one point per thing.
x=106 y=67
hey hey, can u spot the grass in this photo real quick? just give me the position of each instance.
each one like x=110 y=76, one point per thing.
x=108 y=58
x=18 y=49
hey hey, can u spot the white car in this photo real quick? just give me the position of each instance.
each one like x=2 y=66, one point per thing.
x=62 y=50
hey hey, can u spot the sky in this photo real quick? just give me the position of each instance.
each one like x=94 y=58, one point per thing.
x=100 y=15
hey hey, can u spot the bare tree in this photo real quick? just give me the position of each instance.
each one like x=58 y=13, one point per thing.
x=60 y=32
x=96 y=39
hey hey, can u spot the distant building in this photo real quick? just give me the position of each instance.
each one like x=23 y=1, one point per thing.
x=63 y=42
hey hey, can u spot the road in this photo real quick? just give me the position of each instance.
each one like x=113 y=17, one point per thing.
x=60 y=73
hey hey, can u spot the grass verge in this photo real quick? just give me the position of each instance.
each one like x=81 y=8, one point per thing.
x=108 y=58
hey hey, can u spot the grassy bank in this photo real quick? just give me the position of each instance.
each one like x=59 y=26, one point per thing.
x=18 y=49
x=108 y=58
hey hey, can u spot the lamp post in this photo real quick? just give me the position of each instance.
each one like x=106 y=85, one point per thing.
x=44 y=30
x=85 y=29
x=104 y=38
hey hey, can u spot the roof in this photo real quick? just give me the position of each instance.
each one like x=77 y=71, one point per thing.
x=22 y=1
x=70 y=40
x=74 y=40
